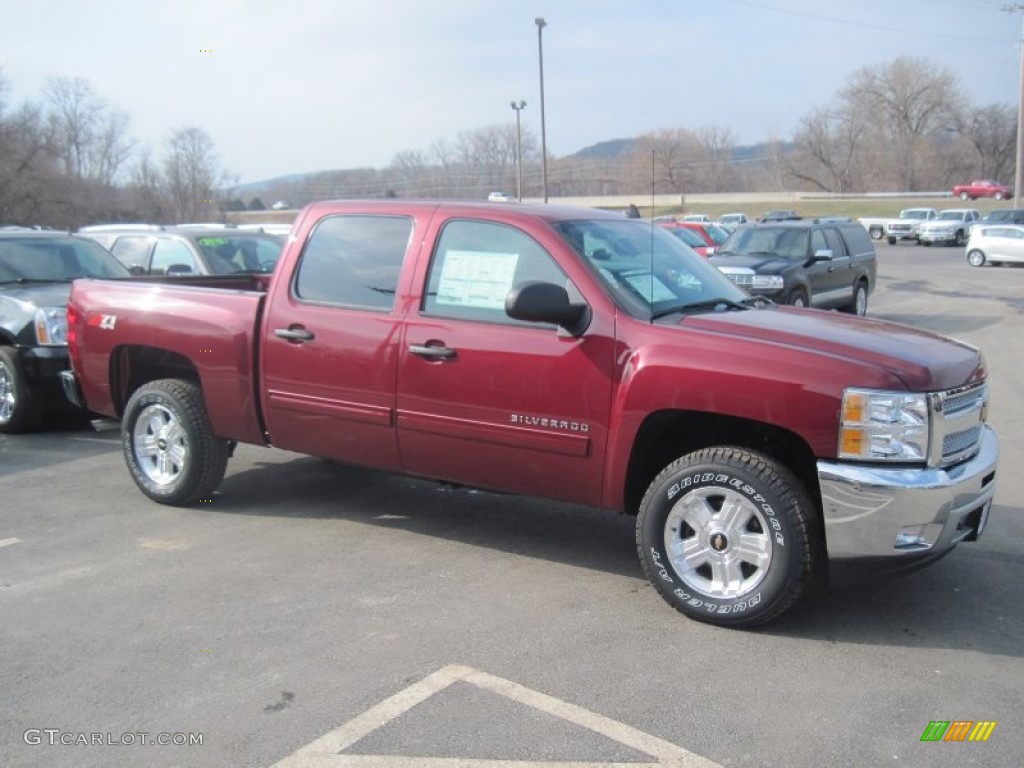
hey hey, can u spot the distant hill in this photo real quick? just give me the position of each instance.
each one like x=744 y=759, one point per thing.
x=606 y=149
x=603 y=150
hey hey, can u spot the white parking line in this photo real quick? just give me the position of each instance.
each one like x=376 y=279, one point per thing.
x=8 y=542
x=324 y=752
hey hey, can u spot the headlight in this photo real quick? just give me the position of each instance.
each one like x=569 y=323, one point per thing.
x=883 y=426
x=52 y=326
x=767 y=282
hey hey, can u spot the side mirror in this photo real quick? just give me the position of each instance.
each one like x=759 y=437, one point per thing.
x=136 y=269
x=537 y=302
x=823 y=254
x=179 y=269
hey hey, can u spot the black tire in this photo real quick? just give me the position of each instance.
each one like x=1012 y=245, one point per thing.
x=798 y=298
x=998 y=195
x=876 y=232
x=965 y=196
x=170 y=448
x=859 y=304
x=690 y=523
x=926 y=244
x=960 y=239
x=18 y=411
x=891 y=240
x=976 y=258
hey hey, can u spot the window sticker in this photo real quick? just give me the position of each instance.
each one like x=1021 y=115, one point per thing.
x=648 y=286
x=212 y=241
x=476 y=279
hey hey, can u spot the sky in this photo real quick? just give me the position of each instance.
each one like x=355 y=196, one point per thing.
x=292 y=86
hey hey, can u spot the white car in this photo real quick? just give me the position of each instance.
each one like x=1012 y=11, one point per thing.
x=698 y=218
x=499 y=197
x=732 y=219
x=995 y=244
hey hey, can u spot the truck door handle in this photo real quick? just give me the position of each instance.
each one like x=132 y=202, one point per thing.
x=294 y=334
x=432 y=352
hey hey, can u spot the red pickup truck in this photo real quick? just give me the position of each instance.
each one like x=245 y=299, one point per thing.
x=571 y=354
x=982 y=188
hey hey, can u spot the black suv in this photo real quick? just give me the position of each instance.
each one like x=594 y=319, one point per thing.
x=827 y=263
x=36 y=270
x=188 y=250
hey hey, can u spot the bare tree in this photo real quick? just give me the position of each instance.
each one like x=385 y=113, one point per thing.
x=665 y=159
x=86 y=134
x=992 y=132
x=829 y=154
x=714 y=145
x=192 y=174
x=909 y=102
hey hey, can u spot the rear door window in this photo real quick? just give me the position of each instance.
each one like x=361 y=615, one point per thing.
x=354 y=261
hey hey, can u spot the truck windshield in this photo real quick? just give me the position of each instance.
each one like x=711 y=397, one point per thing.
x=646 y=270
x=58 y=259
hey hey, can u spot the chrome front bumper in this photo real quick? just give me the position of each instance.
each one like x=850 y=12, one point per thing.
x=901 y=516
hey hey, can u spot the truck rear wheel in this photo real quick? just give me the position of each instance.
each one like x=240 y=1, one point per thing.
x=169 y=446
x=726 y=537
x=18 y=412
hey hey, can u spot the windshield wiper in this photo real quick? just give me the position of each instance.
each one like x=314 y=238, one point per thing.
x=26 y=280
x=697 y=306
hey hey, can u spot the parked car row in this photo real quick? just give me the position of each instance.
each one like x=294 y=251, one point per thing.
x=187 y=250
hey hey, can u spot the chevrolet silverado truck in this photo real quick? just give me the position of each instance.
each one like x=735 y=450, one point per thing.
x=569 y=354
x=906 y=226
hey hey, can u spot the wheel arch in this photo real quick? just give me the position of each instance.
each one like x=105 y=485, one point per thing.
x=666 y=435
x=132 y=366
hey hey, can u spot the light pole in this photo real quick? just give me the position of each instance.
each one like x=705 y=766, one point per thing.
x=518 y=107
x=539 y=21
x=1019 y=171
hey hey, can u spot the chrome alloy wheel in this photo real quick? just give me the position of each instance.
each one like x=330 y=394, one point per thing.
x=7 y=400
x=718 y=542
x=160 y=444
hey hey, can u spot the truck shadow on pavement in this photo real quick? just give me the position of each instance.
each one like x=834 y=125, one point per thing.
x=952 y=604
x=314 y=488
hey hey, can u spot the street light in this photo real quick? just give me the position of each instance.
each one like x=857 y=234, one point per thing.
x=539 y=21
x=518 y=107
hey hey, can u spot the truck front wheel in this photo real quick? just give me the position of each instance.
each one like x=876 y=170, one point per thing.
x=725 y=536
x=169 y=446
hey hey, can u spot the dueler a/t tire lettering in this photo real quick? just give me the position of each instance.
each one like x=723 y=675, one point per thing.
x=170 y=448
x=726 y=536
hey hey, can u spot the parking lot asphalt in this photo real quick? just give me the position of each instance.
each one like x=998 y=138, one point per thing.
x=314 y=614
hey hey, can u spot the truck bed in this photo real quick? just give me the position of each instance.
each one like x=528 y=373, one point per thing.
x=211 y=324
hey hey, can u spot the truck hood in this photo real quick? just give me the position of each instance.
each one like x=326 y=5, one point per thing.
x=30 y=295
x=761 y=264
x=924 y=361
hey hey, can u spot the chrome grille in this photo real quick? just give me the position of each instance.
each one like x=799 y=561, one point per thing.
x=957 y=419
x=958 y=442
x=744 y=281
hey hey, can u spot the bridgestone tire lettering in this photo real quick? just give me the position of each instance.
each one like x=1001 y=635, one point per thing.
x=728 y=536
